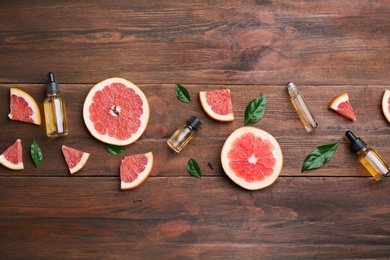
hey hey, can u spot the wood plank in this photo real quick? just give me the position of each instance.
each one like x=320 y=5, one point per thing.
x=186 y=217
x=223 y=42
x=167 y=113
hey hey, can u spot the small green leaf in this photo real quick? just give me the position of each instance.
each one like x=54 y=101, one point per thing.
x=255 y=110
x=193 y=168
x=115 y=149
x=319 y=156
x=36 y=153
x=182 y=94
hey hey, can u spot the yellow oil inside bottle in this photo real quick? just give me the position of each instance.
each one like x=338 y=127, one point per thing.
x=376 y=166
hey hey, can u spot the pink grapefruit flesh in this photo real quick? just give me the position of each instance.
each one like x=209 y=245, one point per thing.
x=252 y=158
x=12 y=158
x=23 y=107
x=75 y=159
x=116 y=112
x=217 y=104
x=135 y=169
x=386 y=104
x=342 y=106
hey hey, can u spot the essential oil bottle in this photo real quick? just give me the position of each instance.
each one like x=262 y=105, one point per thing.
x=370 y=159
x=301 y=107
x=54 y=107
x=184 y=134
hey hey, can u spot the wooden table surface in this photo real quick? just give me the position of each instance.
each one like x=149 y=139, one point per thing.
x=251 y=47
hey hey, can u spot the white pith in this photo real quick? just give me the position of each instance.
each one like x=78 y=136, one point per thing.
x=338 y=100
x=277 y=153
x=36 y=116
x=106 y=138
x=385 y=104
x=142 y=176
x=207 y=108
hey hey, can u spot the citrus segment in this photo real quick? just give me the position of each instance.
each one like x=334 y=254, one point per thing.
x=23 y=107
x=252 y=158
x=12 y=158
x=217 y=104
x=342 y=106
x=386 y=104
x=75 y=159
x=135 y=169
x=116 y=111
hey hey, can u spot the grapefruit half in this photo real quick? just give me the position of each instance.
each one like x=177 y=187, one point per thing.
x=252 y=158
x=23 y=107
x=116 y=112
x=135 y=169
x=386 y=104
x=75 y=159
x=342 y=106
x=12 y=158
x=217 y=104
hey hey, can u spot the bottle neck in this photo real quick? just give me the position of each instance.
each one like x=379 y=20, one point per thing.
x=362 y=150
x=293 y=92
x=53 y=94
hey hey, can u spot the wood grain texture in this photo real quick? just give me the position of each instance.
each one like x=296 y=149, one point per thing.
x=221 y=220
x=253 y=48
x=167 y=113
x=220 y=42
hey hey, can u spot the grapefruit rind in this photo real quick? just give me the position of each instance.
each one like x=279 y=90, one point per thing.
x=142 y=176
x=36 y=116
x=209 y=111
x=6 y=163
x=334 y=105
x=385 y=104
x=276 y=152
x=107 y=138
x=80 y=164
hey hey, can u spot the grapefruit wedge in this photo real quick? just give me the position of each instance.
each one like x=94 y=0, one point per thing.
x=252 y=158
x=386 y=104
x=135 y=169
x=217 y=104
x=12 y=158
x=75 y=159
x=342 y=106
x=116 y=112
x=23 y=107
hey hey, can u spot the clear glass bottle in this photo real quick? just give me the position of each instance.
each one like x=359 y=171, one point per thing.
x=54 y=107
x=368 y=157
x=184 y=134
x=301 y=107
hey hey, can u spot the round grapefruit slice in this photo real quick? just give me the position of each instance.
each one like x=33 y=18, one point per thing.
x=342 y=106
x=23 y=107
x=116 y=112
x=252 y=158
x=386 y=104
x=217 y=104
x=12 y=158
x=75 y=159
x=135 y=169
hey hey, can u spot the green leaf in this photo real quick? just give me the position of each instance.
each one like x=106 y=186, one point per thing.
x=36 y=153
x=255 y=110
x=193 y=168
x=319 y=156
x=115 y=149
x=182 y=94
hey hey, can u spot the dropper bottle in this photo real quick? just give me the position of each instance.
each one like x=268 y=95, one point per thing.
x=54 y=107
x=370 y=159
x=301 y=107
x=184 y=134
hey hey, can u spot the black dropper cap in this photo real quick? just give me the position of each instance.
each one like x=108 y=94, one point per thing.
x=357 y=144
x=52 y=86
x=194 y=122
